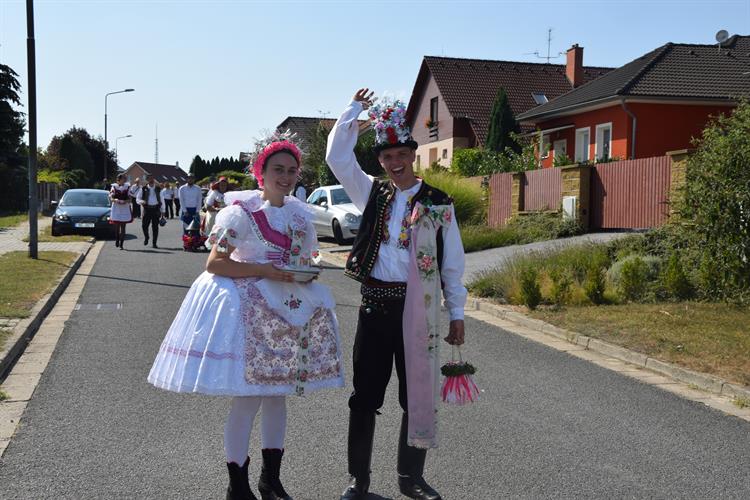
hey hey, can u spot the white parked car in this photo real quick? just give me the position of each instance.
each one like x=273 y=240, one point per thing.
x=335 y=214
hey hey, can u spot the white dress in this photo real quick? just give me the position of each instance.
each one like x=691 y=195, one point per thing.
x=250 y=336
x=215 y=198
x=121 y=206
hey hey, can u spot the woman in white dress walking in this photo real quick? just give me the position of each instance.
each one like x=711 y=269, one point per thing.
x=246 y=328
x=121 y=213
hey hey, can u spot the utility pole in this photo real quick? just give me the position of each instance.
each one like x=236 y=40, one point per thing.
x=33 y=196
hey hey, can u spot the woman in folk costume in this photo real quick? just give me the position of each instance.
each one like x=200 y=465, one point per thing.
x=215 y=202
x=246 y=328
x=121 y=213
x=408 y=246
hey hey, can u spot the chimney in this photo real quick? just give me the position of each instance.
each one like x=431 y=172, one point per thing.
x=574 y=65
x=177 y=164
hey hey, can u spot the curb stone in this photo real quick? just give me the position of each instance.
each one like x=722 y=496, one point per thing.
x=24 y=331
x=704 y=382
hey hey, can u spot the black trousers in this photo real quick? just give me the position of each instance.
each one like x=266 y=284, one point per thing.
x=151 y=215
x=378 y=342
x=176 y=207
x=136 y=209
x=169 y=208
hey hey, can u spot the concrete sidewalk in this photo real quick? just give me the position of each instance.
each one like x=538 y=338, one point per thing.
x=11 y=239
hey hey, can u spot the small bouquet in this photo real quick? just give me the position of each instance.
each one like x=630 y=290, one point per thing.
x=458 y=386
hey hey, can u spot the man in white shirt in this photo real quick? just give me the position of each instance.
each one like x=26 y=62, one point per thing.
x=135 y=189
x=191 y=199
x=382 y=259
x=168 y=192
x=150 y=198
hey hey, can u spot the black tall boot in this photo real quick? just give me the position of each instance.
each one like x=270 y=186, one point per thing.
x=361 y=434
x=411 y=467
x=239 y=488
x=269 y=485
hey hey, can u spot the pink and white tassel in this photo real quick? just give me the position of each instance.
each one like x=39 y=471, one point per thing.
x=459 y=390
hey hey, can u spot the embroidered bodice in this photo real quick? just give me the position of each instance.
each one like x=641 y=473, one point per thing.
x=263 y=233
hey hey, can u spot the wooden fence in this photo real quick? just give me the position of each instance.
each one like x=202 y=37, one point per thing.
x=630 y=194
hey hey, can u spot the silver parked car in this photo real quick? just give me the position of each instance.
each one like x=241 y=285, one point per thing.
x=335 y=214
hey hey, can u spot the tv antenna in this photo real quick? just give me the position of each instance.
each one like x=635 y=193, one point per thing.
x=549 y=45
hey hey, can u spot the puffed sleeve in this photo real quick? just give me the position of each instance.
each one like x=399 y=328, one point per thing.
x=231 y=228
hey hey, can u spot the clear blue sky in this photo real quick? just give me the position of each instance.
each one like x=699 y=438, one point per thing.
x=214 y=73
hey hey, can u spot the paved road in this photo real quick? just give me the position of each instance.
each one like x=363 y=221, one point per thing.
x=550 y=425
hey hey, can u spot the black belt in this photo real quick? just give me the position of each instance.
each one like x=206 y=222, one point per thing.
x=374 y=289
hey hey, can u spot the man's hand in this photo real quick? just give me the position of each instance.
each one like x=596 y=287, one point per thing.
x=365 y=97
x=455 y=332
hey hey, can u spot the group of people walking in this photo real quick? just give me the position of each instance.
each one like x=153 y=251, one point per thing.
x=248 y=330
x=154 y=203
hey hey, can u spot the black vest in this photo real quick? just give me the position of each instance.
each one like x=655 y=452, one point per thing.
x=367 y=243
x=157 y=190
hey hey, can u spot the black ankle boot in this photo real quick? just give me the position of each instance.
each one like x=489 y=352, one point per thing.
x=361 y=434
x=411 y=467
x=239 y=488
x=269 y=485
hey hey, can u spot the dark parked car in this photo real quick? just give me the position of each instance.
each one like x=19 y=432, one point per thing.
x=82 y=211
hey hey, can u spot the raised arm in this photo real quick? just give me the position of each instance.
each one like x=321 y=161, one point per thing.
x=340 y=151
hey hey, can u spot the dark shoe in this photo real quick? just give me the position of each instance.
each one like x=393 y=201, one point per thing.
x=357 y=489
x=154 y=245
x=411 y=467
x=145 y=241
x=359 y=451
x=269 y=485
x=239 y=488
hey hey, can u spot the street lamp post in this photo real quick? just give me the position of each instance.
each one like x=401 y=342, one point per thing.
x=117 y=158
x=106 y=144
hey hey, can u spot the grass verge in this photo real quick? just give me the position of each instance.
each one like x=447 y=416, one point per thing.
x=12 y=220
x=23 y=281
x=45 y=236
x=4 y=334
x=523 y=229
x=711 y=338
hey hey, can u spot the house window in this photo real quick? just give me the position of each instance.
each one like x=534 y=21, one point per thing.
x=604 y=141
x=582 y=144
x=544 y=146
x=434 y=109
x=445 y=154
x=560 y=148
x=539 y=97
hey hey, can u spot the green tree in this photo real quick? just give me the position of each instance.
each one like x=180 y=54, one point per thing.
x=717 y=202
x=503 y=125
x=13 y=155
x=67 y=148
x=198 y=167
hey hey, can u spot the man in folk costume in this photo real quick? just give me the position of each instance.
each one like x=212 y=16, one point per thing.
x=150 y=197
x=408 y=247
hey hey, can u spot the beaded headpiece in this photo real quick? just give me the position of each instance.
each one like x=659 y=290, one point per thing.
x=388 y=118
x=271 y=144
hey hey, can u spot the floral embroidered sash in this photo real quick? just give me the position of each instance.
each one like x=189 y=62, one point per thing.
x=421 y=324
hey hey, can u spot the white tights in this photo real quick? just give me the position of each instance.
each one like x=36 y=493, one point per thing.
x=240 y=423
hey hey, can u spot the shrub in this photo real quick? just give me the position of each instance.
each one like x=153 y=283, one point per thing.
x=561 y=287
x=541 y=226
x=479 y=237
x=595 y=282
x=531 y=294
x=469 y=200
x=632 y=275
x=674 y=279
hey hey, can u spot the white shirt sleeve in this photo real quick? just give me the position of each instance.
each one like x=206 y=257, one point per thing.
x=452 y=270
x=211 y=198
x=139 y=197
x=340 y=156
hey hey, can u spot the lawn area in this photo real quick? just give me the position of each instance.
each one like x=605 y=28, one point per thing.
x=706 y=337
x=12 y=220
x=45 y=236
x=23 y=281
x=4 y=334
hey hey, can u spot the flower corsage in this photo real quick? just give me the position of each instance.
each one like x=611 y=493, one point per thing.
x=458 y=386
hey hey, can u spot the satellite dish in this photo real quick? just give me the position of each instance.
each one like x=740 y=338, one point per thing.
x=722 y=36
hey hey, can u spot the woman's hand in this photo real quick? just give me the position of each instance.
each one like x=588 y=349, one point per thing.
x=269 y=271
x=365 y=97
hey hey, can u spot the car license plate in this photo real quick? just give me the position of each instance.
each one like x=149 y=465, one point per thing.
x=84 y=224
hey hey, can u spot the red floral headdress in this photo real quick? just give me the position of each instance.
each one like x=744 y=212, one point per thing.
x=272 y=144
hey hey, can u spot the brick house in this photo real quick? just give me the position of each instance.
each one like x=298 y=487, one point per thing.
x=654 y=104
x=455 y=96
x=161 y=172
x=305 y=127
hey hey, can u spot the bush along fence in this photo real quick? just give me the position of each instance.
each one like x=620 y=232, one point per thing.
x=629 y=194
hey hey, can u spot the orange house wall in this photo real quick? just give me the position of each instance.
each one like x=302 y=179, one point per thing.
x=669 y=127
x=614 y=114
